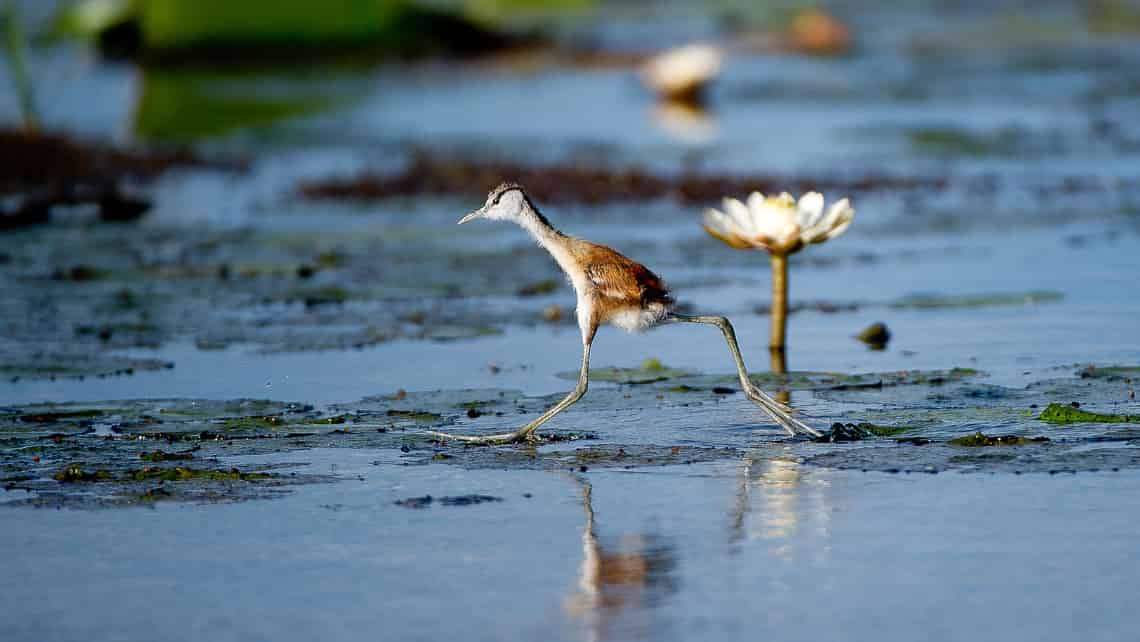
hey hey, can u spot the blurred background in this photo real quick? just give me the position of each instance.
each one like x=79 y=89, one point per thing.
x=243 y=188
x=230 y=271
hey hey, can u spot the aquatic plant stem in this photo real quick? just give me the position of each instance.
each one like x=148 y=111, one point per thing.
x=779 y=361
x=14 y=46
x=779 y=302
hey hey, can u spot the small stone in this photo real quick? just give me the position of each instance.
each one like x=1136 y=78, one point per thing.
x=876 y=336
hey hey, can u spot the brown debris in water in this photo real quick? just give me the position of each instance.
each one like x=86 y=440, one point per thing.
x=44 y=158
x=569 y=183
x=48 y=169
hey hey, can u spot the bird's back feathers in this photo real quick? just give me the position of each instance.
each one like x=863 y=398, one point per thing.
x=621 y=290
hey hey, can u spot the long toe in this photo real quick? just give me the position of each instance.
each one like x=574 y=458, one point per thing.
x=486 y=440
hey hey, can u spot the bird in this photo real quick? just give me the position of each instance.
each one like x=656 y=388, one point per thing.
x=610 y=288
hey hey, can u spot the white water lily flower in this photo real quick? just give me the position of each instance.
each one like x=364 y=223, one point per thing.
x=778 y=224
x=683 y=72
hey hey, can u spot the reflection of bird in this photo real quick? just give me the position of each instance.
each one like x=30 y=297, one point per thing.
x=602 y=570
x=610 y=288
x=615 y=584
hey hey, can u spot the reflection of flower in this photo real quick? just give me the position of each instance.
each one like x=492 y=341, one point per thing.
x=778 y=224
x=682 y=73
x=781 y=226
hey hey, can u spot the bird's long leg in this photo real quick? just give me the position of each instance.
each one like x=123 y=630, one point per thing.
x=526 y=433
x=781 y=413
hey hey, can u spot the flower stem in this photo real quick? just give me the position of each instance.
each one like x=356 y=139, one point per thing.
x=779 y=301
x=779 y=360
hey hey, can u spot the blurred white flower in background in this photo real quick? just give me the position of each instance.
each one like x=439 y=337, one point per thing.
x=682 y=74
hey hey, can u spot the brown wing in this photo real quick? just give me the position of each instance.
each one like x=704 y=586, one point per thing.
x=615 y=276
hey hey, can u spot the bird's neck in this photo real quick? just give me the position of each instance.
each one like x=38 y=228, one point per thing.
x=539 y=227
x=551 y=240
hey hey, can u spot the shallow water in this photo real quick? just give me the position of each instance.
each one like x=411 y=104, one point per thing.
x=733 y=550
x=706 y=521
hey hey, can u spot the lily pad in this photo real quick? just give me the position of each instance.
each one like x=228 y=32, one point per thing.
x=72 y=365
x=1044 y=458
x=650 y=371
x=1056 y=413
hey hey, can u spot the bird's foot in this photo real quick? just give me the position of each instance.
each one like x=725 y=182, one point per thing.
x=781 y=412
x=517 y=437
x=759 y=396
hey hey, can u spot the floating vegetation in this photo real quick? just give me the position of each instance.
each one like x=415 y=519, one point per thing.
x=184 y=473
x=1115 y=373
x=957 y=142
x=978 y=440
x=933 y=302
x=73 y=365
x=159 y=455
x=587 y=458
x=1056 y=413
x=650 y=371
x=45 y=170
x=841 y=432
x=457 y=500
x=1047 y=458
x=75 y=473
x=89 y=454
x=415 y=415
x=430 y=174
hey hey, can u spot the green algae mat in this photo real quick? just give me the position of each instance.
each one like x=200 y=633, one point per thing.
x=124 y=453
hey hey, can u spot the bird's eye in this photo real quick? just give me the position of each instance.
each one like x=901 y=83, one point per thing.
x=496 y=201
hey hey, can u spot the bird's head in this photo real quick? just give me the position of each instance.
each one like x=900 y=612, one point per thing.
x=504 y=203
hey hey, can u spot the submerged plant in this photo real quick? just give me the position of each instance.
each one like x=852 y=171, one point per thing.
x=780 y=226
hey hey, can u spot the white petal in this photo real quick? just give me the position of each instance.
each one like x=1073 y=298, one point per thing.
x=755 y=201
x=721 y=226
x=716 y=219
x=838 y=219
x=845 y=222
x=809 y=211
x=721 y=222
x=739 y=213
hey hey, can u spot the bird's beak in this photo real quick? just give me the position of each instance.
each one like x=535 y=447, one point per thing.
x=472 y=216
